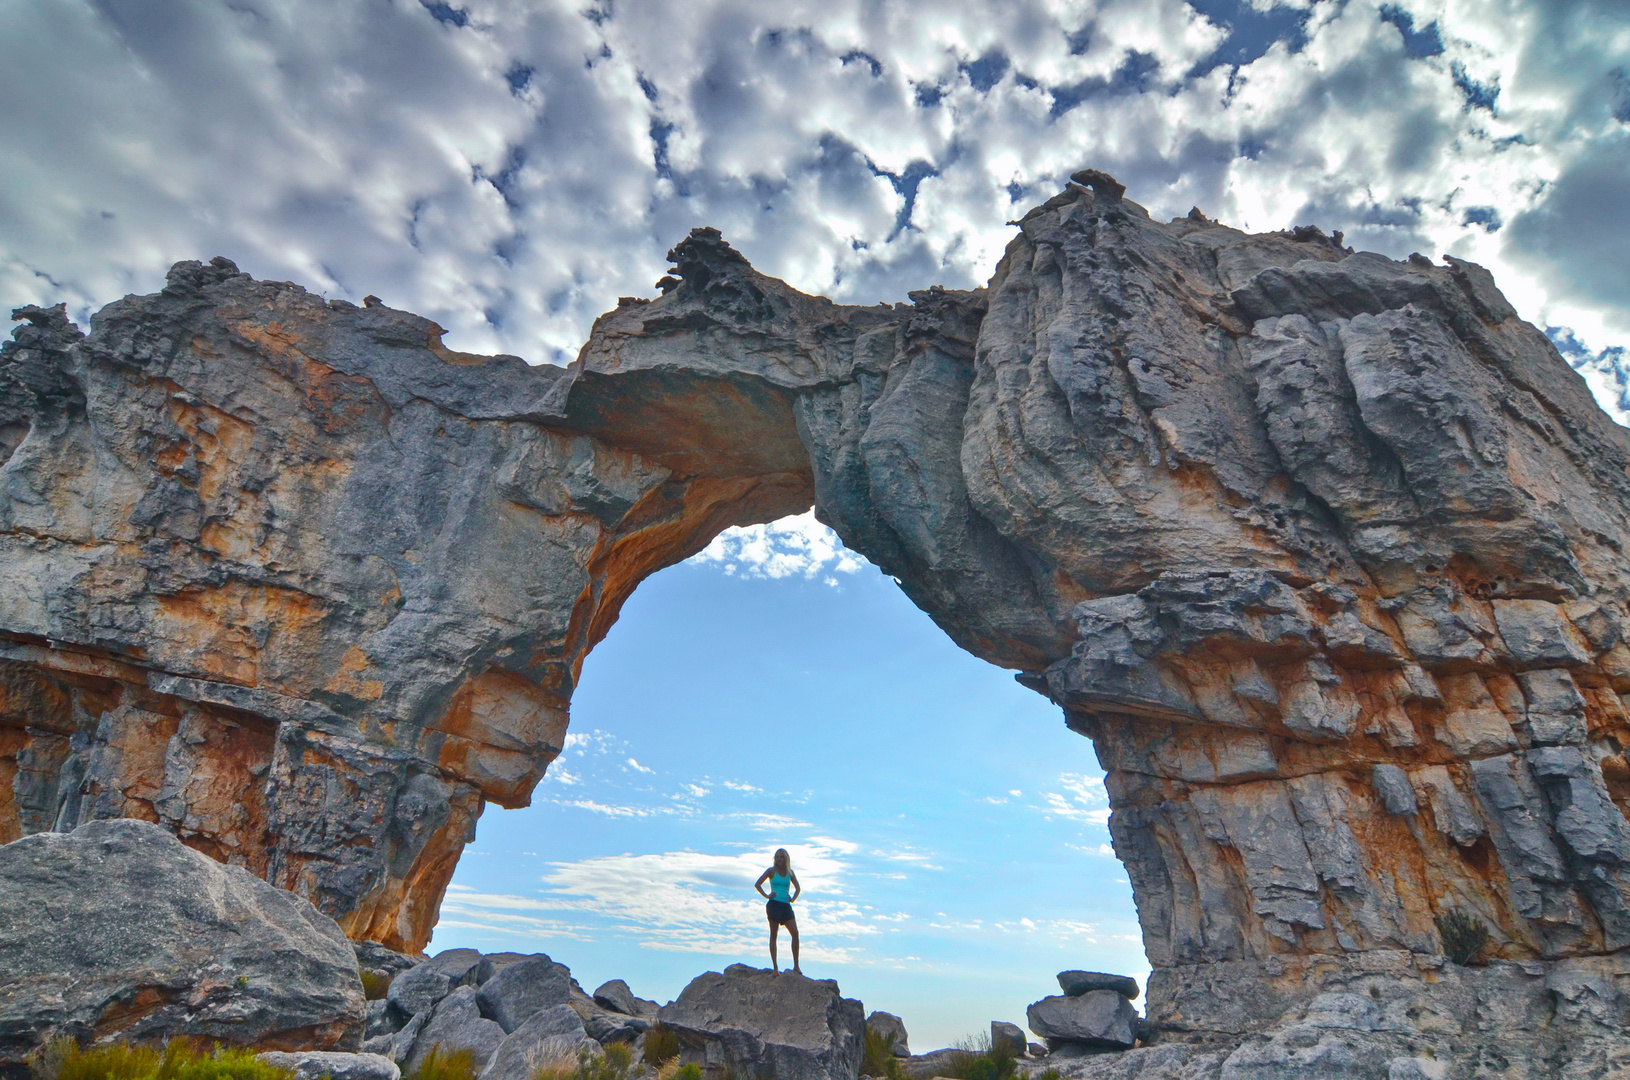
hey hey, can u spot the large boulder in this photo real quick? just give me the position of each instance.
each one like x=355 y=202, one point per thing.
x=524 y=987
x=754 y=1022
x=1096 y=1018
x=615 y=995
x=118 y=930
x=1076 y=983
x=892 y=1028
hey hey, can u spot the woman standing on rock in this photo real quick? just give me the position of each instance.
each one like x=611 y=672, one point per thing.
x=779 y=904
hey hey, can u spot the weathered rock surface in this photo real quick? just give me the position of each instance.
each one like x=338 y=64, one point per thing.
x=754 y=1022
x=1324 y=551
x=519 y=989
x=1096 y=1018
x=455 y=1024
x=117 y=930
x=892 y=1028
x=1076 y=983
x=318 y=1064
x=555 y=1033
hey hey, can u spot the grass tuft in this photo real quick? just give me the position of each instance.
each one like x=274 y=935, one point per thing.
x=445 y=1065
x=181 y=1059
x=980 y=1060
x=375 y=985
x=615 y=1062
x=877 y=1056
x=1463 y=934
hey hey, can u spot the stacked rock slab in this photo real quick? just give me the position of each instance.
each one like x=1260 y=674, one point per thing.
x=1094 y=1013
x=1324 y=551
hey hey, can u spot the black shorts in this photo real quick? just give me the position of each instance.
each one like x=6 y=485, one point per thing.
x=779 y=911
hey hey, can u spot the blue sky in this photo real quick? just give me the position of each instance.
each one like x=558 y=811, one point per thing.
x=949 y=830
x=510 y=167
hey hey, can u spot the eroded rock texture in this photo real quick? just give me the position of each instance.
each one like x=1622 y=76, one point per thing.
x=1324 y=552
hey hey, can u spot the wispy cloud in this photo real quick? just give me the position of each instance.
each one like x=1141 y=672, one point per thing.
x=1082 y=798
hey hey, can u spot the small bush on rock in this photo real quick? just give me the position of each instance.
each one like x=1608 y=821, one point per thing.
x=180 y=1059
x=692 y=1071
x=445 y=1065
x=661 y=1045
x=1463 y=934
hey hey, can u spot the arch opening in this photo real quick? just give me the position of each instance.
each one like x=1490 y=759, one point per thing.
x=949 y=829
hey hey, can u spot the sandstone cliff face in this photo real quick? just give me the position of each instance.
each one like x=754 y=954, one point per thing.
x=1325 y=552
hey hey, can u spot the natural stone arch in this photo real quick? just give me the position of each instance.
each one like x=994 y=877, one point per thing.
x=1323 y=551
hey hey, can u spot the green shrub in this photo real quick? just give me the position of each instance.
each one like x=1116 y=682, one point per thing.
x=692 y=1071
x=180 y=1059
x=448 y=1065
x=1049 y=1073
x=1463 y=934
x=661 y=1045
x=375 y=985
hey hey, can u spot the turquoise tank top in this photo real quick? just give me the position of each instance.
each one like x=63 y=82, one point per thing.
x=780 y=888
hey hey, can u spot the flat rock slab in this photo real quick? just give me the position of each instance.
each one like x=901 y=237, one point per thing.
x=754 y=1021
x=317 y=1064
x=1076 y=983
x=118 y=930
x=1096 y=1018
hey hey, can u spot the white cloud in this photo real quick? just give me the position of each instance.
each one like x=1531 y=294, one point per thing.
x=637 y=767
x=511 y=168
x=704 y=902
x=791 y=547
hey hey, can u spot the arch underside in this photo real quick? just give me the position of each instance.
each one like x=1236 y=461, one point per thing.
x=1323 y=551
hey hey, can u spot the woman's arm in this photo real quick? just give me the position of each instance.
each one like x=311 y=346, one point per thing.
x=758 y=886
x=796 y=888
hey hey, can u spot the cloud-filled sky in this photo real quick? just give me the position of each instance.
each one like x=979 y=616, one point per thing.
x=510 y=167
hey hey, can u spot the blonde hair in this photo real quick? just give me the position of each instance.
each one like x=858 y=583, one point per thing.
x=782 y=862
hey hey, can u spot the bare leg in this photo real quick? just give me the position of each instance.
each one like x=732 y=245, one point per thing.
x=773 y=962
x=792 y=932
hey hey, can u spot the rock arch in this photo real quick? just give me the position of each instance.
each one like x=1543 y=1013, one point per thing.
x=1325 y=552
